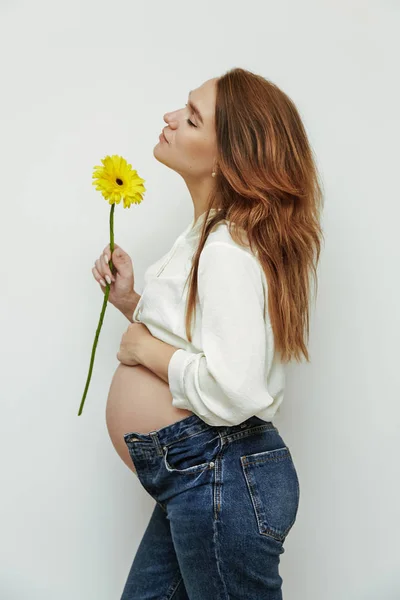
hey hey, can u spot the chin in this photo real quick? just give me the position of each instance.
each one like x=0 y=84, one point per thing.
x=159 y=155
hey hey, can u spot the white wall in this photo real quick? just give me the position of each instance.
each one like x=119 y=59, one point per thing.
x=85 y=79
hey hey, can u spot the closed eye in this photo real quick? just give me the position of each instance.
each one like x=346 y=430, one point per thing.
x=190 y=122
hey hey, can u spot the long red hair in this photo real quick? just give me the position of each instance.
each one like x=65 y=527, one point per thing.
x=267 y=183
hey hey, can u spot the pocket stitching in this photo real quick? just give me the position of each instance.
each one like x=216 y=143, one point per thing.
x=247 y=459
x=188 y=470
x=195 y=468
x=257 y=505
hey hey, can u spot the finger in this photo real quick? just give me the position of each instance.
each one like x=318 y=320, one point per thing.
x=104 y=269
x=98 y=277
x=107 y=250
x=105 y=259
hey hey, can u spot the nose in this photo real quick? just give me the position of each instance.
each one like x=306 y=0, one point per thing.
x=169 y=119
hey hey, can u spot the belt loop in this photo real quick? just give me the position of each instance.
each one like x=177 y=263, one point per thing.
x=156 y=442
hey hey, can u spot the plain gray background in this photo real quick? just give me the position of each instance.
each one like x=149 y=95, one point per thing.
x=82 y=79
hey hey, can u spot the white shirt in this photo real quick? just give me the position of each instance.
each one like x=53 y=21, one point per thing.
x=230 y=371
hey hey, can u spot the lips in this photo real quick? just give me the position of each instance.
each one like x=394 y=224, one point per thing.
x=164 y=136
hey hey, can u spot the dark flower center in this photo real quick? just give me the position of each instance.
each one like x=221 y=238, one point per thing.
x=119 y=181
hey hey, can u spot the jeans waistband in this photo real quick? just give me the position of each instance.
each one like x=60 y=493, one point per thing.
x=189 y=426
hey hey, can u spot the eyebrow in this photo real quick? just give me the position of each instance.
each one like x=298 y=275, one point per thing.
x=195 y=109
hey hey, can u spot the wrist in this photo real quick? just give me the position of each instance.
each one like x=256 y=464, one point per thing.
x=130 y=305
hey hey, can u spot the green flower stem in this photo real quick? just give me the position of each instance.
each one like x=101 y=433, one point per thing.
x=110 y=264
x=103 y=310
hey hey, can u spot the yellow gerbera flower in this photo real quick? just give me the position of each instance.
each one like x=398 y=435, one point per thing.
x=117 y=180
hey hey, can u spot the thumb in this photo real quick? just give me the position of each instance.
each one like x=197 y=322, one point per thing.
x=122 y=262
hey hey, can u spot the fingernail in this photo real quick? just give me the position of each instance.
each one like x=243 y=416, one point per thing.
x=108 y=279
x=103 y=283
x=106 y=259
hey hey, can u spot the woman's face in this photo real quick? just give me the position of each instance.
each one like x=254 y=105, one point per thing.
x=190 y=148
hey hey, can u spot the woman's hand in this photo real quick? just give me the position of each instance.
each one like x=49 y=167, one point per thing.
x=131 y=343
x=121 y=281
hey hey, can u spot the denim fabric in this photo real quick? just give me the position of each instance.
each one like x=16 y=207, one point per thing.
x=226 y=498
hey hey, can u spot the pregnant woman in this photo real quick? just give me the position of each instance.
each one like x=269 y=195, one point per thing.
x=202 y=370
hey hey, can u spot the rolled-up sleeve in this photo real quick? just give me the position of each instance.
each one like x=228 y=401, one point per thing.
x=226 y=382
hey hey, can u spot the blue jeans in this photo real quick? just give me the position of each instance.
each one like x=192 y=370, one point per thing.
x=226 y=498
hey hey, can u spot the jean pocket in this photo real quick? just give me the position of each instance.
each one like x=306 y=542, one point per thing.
x=192 y=454
x=273 y=486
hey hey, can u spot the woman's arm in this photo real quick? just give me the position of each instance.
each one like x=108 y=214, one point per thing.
x=226 y=382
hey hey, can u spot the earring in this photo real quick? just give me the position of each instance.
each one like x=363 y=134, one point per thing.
x=213 y=174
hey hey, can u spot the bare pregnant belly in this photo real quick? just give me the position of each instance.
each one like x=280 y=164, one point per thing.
x=139 y=401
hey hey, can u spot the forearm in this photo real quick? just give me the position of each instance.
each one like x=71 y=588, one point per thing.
x=129 y=307
x=155 y=355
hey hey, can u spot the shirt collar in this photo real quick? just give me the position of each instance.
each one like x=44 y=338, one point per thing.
x=194 y=228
